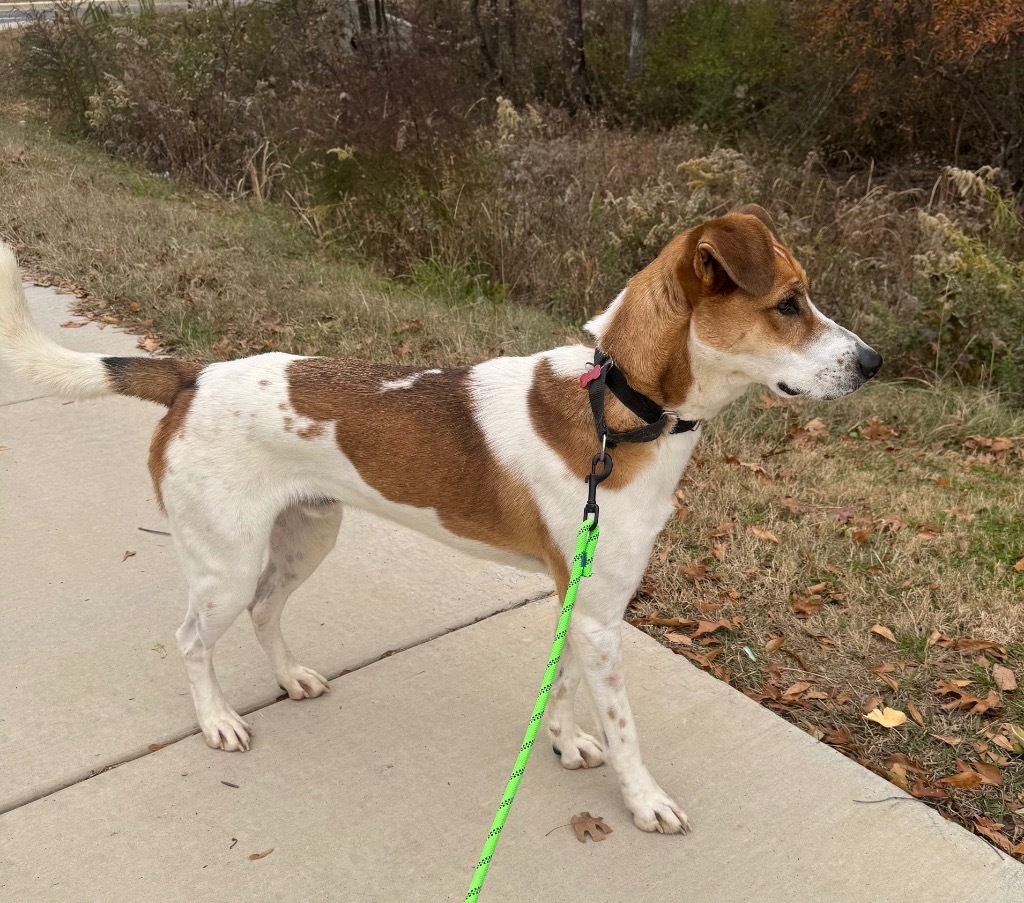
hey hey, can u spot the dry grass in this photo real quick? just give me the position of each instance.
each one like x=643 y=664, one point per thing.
x=939 y=569
x=213 y=279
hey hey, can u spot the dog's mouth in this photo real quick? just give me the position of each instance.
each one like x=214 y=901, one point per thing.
x=789 y=390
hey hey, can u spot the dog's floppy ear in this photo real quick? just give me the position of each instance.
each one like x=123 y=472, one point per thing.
x=762 y=214
x=736 y=248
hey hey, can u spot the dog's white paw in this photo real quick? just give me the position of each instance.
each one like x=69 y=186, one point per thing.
x=654 y=810
x=578 y=751
x=303 y=683
x=226 y=730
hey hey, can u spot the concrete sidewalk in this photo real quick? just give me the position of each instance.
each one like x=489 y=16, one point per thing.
x=383 y=789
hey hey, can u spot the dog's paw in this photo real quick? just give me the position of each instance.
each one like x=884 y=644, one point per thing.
x=226 y=731
x=654 y=810
x=303 y=683
x=579 y=751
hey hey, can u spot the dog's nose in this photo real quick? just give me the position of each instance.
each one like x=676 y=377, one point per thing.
x=869 y=361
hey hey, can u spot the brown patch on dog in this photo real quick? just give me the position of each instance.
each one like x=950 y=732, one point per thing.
x=611 y=714
x=387 y=435
x=613 y=680
x=314 y=431
x=288 y=422
x=170 y=427
x=158 y=380
x=622 y=722
x=560 y=413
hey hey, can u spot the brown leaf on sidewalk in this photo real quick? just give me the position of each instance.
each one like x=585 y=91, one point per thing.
x=128 y=554
x=1005 y=679
x=593 y=826
x=254 y=856
x=884 y=632
x=72 y=324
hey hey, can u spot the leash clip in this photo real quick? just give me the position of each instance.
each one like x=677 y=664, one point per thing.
x=595 y=479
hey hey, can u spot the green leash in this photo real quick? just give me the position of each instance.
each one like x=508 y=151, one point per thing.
x=582 y=566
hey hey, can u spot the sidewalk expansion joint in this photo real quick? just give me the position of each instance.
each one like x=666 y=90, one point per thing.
x=57 y=787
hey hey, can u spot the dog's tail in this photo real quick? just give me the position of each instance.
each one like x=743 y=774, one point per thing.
x=78 y=374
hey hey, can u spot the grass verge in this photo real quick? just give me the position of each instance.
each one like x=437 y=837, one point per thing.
x=800 y=527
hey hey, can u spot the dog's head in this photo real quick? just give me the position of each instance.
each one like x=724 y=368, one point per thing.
x=744 y=313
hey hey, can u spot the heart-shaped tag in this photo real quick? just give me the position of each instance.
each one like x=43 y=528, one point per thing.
x=587 y=378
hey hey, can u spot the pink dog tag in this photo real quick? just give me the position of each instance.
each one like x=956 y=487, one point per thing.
x=587 y=378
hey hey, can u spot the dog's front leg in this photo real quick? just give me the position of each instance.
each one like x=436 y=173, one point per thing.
x=575 y=748
x=597 y=643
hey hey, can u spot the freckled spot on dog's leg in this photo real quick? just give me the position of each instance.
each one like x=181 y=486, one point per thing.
x=288 y=424
x=611 y=714
x=613 y=680
x=561 y=692
x=237 y=413
x=281 y=406
x=264 y=383
x=622 y=722
x=603 y=659
x=300 y=556
x=290 y=558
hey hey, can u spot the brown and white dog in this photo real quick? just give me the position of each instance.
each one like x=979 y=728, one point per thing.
x=257 y=458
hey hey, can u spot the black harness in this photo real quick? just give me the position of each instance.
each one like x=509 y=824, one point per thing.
x=603 y=374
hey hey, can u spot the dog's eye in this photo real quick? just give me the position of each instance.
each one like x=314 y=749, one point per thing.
x=788 y=307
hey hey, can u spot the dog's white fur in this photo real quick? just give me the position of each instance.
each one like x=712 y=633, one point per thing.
x=254 y=509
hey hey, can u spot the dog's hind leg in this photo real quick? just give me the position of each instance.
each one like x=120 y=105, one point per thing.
x=303 y=534
x=222 y=560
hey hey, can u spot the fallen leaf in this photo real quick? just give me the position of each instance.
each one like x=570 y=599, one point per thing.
x=155 y=747
x=990 y=774
x=915 y=714
x=678 y=638
x=593 y=826
x=925 y=791
x=774 y=643
x=796 y=689
x=990 y=829
x=860 y=537
x=884 y=632
x=254 y=856
x=770 y=402
x=887 y=717
x=842 y=515
x=871 y=703
x=72 y=324
x=128 y=554
x=874 y=429
x=805 y=608
x=693 y=570
x=892 y=523
x=407 y=326
x=1019 y=566
x=965 y=780
x=945 y=738
x=1005 y=679
x=766 y=535
x=927 y=531
x=723 y=529
x=793 y=507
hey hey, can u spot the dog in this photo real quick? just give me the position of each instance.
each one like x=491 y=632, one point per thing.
x=257 y=458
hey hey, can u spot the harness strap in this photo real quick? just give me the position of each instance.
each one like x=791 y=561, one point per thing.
x=614 y=380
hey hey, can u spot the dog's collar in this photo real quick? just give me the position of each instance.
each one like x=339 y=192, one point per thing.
x=603 y=374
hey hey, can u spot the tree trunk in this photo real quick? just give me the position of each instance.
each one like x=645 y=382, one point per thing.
x=573 y=60
x=364 y=16
x=638 y=39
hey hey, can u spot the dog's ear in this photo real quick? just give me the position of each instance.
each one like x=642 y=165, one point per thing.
x=762 y=214
x=736 y=249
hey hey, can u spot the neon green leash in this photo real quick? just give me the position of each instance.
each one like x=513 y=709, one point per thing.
x=582 y=566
